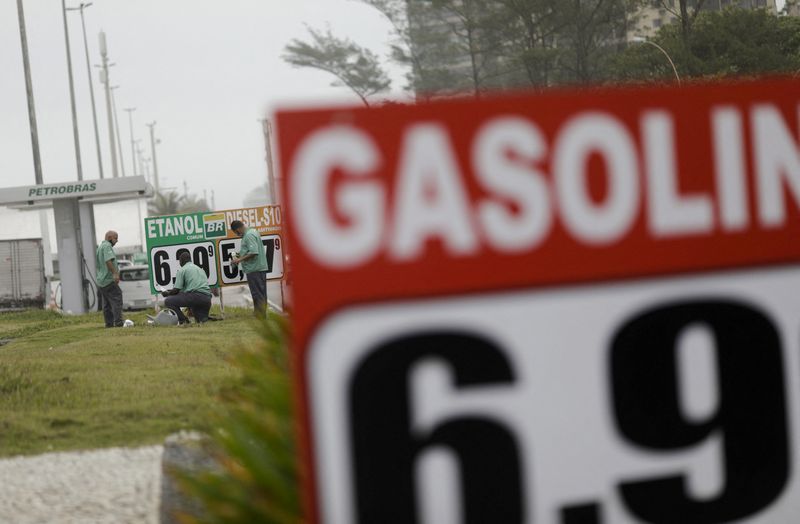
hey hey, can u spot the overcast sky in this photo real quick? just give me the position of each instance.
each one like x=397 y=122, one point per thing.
x=205 y=71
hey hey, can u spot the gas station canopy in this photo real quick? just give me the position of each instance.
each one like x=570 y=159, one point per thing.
x=97 y=191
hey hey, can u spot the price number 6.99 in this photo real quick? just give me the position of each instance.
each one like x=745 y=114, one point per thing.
x=165 y=262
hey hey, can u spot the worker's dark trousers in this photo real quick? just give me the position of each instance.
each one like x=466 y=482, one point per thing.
x=257 y=282
x=112 y=304
x=199 y=303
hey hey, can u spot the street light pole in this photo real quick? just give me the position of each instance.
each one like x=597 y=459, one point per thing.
x=72 y=94
x=23 y=35
x=643 y=40
x=116 y=128
x=152 y=125
x=107 y=82
x=130 y=111
x=146 y=167
x=139 y=156
x=91 y=86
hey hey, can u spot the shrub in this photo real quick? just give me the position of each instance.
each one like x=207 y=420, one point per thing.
x=253 y=443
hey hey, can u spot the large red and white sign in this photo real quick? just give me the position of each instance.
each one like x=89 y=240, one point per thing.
x=576 y=307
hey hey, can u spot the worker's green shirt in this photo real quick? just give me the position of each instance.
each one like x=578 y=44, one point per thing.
x=192 y=278
x=251 y=243
x=105 y=252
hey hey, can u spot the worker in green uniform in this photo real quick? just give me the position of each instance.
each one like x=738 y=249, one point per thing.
x=107 y=278
x=253 y=261
x=191 y=290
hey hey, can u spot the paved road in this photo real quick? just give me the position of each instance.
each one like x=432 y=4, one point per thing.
x=113 y=486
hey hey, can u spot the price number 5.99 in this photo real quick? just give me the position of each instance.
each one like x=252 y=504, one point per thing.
x=164 y=263
x=233 y=274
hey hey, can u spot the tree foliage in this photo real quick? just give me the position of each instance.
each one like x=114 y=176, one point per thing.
x=354 y=66
x=165 y=203
x=686 y=12
x=194 y=204
x=472 y=45
x=172 y=203
x=722 y=44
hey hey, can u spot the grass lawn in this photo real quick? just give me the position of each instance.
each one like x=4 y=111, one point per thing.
x=68 y=383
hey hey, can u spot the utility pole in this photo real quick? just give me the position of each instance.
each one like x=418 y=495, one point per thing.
x=107 y=82
x=185 y=189
x=37 y=160
x=146 y=168
x=23 y=35
x=130 y=111
x=213 y=201
x=116 y=127
x=91 y=86
x=266 y=126
x=139 y=156
x=152 y=125
x=72 y=94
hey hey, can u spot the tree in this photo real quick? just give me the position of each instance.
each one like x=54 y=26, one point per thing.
x=193 y=204
x=686 y=12
x=471 y=45
x=593 y=32
x=165 y=204
x=354 y=66
x=473 y=30
x=532 y=40
x=729 y=43
x=405 y=48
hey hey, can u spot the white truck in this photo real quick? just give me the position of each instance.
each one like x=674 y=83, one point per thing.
x=22 y=278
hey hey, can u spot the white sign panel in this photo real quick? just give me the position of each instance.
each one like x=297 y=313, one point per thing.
x=626 y=403
x=233 y=274
x=164 y=263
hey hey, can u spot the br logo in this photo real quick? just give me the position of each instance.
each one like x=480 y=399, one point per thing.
x=214 y=225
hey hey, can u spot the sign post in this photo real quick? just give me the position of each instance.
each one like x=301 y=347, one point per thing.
x=576 y=307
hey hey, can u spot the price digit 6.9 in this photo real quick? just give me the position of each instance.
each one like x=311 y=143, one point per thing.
x=751 y=413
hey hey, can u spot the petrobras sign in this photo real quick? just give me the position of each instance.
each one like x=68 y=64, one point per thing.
x=214 y=225
x=61 y=189
x=571 y=307
x=88 y=190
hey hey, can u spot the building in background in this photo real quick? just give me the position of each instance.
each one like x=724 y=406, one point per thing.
x=650 y=18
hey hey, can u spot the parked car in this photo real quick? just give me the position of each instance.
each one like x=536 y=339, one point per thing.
x=124 y=263
x=135 y=284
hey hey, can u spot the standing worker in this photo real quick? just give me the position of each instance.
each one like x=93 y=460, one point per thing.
x=253 y=261
x=108 y=280
x=191 y=290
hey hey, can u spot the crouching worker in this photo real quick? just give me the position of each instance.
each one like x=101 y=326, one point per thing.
x=191 y=290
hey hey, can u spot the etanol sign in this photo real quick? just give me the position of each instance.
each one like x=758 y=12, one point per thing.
x=167 y=237
x=577 y=307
